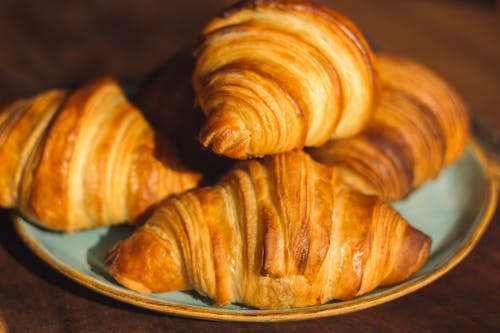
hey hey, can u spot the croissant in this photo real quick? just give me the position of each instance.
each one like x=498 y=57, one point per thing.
x=73 y=160
x=420 y=126
x=275 y=75
x=272 y=233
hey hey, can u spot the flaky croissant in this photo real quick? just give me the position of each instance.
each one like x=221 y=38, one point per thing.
x=273 y=233
x=73 y=160
x=420 y=125
x=276 y=75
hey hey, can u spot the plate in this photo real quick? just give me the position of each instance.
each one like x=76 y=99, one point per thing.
x=454 y=209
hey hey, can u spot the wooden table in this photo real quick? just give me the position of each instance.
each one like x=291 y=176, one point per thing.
x=44 y=45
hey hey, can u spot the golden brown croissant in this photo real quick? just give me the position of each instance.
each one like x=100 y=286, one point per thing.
x=276 y=75
x=420 y=125
x=85 y=158
x=273 y=233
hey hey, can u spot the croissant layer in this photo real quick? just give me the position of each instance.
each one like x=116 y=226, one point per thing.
x=420 y=125
x=272 y=76
x=72 y=160
x=274 y=233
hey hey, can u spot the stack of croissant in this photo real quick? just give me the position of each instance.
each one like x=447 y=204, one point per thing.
x=318 y=135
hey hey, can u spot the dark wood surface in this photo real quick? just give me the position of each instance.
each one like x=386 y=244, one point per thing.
x=58 y=43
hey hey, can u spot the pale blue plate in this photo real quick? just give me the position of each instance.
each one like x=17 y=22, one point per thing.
x=453 y=209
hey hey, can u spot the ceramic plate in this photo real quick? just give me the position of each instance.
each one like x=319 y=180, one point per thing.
x=453 y=209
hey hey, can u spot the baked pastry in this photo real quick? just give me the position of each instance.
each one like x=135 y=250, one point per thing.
x=273 y=233
x=420 y=126
x=272 y=76
x=73 y=160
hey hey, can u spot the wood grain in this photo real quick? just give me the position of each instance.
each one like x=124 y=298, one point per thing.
x=47 y=44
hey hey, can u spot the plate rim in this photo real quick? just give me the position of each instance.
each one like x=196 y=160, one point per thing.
x=324 y=310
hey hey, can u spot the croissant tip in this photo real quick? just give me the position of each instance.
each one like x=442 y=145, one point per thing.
x=114 y=271
x=230 y=141
x=413 y=255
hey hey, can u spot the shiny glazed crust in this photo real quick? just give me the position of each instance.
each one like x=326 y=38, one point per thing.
x=273 y=233
x=420 y=126
x=272 y=76
x=73 y=160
